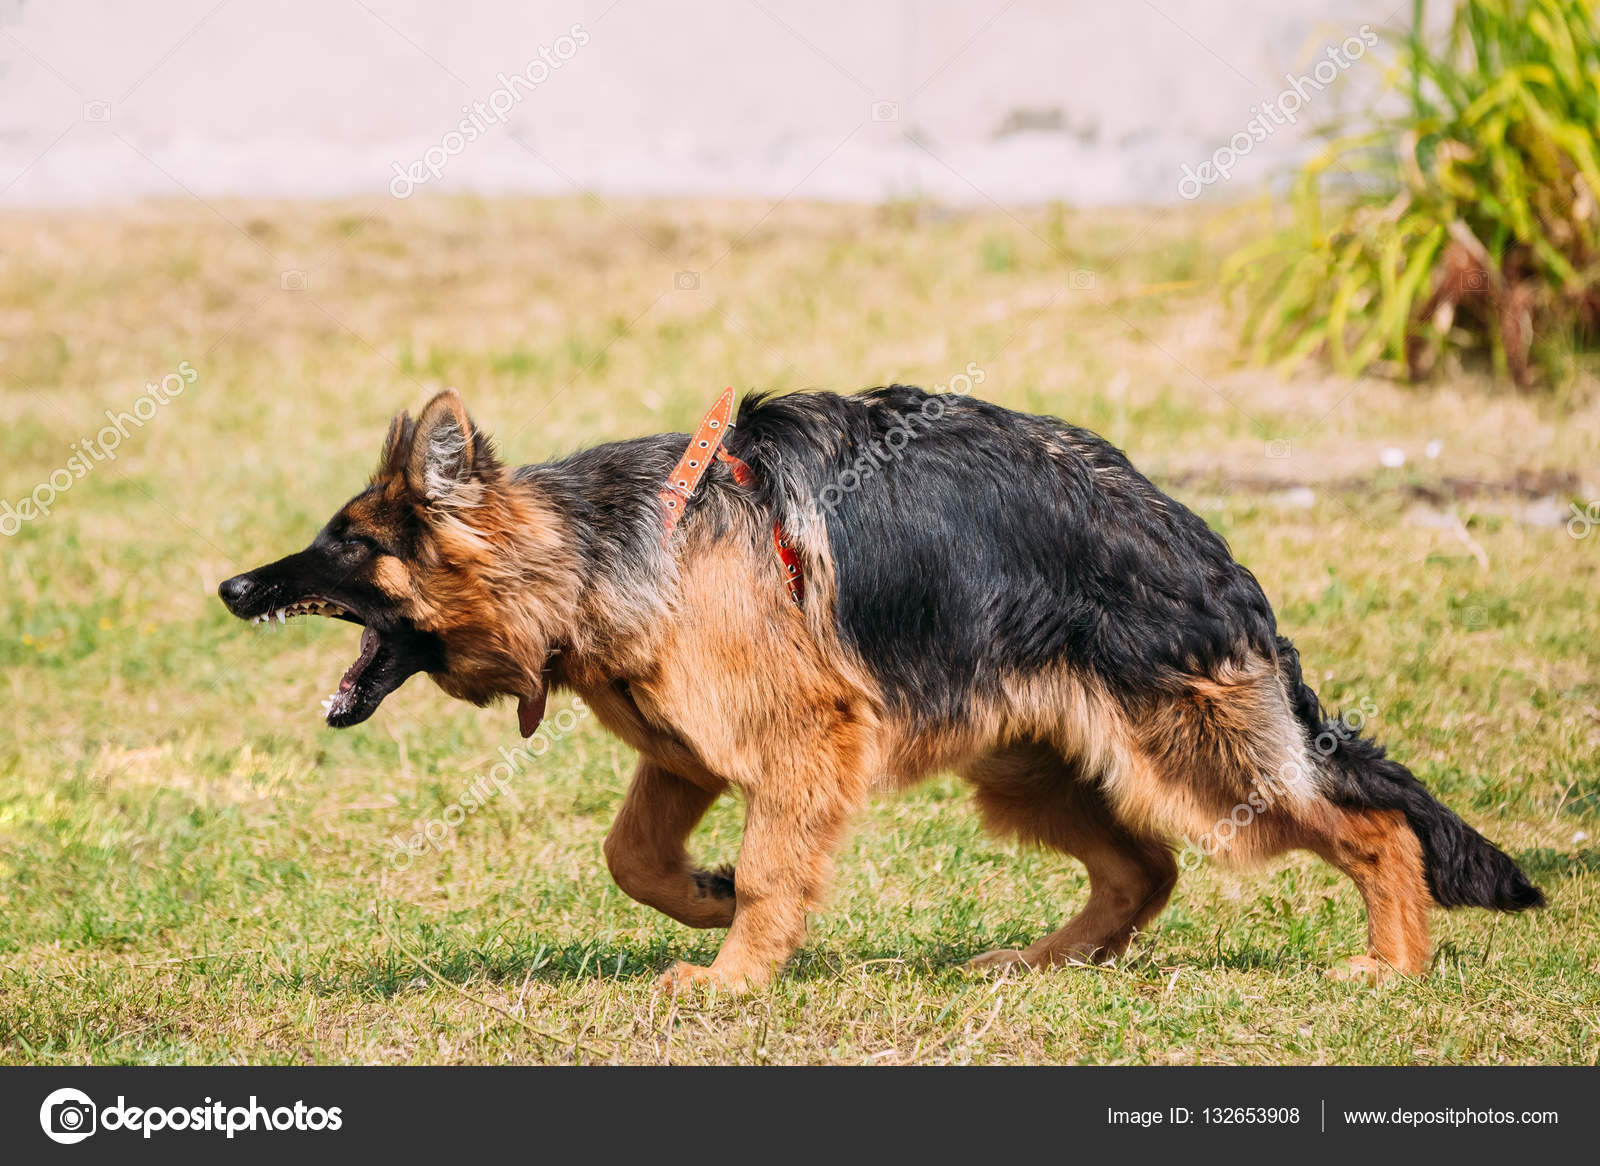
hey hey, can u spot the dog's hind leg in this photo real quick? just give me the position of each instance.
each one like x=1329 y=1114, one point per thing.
x=1383 y=857
x=646 y=854
x=1233 y=765
x=1036 y=795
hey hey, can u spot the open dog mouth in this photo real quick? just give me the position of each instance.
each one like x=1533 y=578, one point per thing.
x=387 y=657
x=355 y=699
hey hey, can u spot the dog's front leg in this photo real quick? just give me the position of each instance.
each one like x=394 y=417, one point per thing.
x=791 y=830
x=645 y=849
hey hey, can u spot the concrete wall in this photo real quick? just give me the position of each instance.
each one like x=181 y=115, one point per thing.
x=1092 y=102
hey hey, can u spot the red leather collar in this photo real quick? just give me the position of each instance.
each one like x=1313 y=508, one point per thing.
x=696 y=460
x=705 y=444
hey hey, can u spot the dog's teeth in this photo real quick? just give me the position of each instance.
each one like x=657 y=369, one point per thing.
x=281 y=617
x=327 y=705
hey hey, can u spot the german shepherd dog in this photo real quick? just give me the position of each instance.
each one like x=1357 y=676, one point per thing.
x=984 y=591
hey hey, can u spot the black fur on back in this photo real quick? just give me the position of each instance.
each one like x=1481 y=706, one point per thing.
x=995 y=542
x=1464 y=868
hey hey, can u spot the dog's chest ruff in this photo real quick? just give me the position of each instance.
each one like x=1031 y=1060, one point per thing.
x=705 y=444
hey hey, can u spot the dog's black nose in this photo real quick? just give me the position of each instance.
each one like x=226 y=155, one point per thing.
x=234 y=590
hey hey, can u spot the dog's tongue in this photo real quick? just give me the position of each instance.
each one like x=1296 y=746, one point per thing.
x=530 y=710
x=369 y=649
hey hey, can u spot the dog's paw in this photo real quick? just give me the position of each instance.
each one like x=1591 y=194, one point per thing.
x=682 y=978
x=1362 y=969
x=1074 y=955
x=999 y=960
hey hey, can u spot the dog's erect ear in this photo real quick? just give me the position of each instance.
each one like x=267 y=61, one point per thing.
x=397 y=445
x=442 y=449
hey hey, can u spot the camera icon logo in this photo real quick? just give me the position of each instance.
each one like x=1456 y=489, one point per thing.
x=1080 y=279
x=96 y=111
x=686 y=281
x=67 y=1116
x=1278 y=448
x=292 y=280
x=885 y=111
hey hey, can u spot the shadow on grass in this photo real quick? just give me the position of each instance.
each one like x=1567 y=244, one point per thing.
x=396 y=969
x=393 y=972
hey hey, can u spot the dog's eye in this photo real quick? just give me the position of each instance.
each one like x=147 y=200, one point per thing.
x=354 y=548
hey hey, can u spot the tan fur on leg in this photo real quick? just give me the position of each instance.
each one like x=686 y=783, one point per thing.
x=1382 y=855
x=1034 y=794
x=791 y=830
x=646 y=854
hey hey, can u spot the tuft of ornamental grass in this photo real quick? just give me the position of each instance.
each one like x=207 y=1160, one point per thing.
x=1474 y=226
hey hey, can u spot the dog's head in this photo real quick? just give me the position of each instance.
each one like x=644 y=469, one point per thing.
x=422 y=559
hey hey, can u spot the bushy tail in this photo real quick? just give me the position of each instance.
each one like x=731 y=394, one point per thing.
x=1464 y=869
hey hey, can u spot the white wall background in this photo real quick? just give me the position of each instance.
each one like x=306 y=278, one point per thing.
x=1092 y=101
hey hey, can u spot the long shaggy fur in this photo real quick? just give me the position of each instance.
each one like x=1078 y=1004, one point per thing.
x=995 y=542
x=989 y=592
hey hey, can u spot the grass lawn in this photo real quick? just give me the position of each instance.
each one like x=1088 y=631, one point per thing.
x=194 y=869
